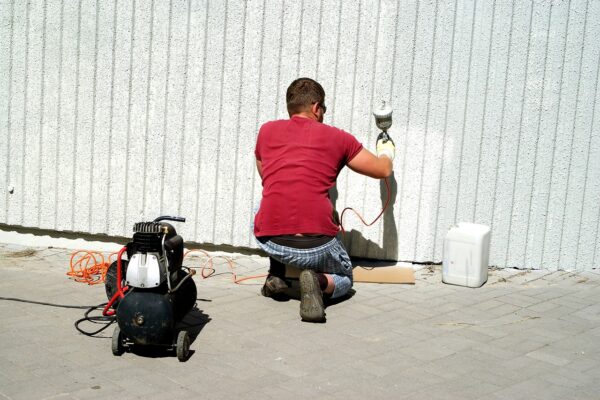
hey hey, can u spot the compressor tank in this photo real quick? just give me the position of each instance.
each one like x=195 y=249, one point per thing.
x=148 y=316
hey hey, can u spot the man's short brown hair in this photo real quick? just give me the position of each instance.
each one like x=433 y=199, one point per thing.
x=302 y=94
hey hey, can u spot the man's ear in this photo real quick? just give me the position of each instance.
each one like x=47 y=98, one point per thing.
x=315 y=108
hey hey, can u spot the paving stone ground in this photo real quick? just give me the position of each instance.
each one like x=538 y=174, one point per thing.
x=523 y=335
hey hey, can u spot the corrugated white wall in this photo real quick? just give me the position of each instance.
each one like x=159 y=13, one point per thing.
x=114 y=111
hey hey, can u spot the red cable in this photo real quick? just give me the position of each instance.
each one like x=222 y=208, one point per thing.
x=120 y=293
x=387 y=186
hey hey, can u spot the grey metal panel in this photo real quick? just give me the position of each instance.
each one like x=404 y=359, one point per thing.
x=527 y=90
x=405 y=90
x=66 y=109
x=84 y=115
x=588 y=253
x=102 y=107
x=176 y=100
x=196 y=43
x=562 y=131
x=138 y=108
x=246 y=125
x=510 y=134
x=549 y=112
x=6 y=15
x=157 y=102
x=439 y=146
x=49 y=117
x=588 y=248
x=576 y=134
x=506 y=62
x=224 y=167
x=212 y=109
x=533 y=118
x=32 y=115
x=424 y=108
x=457 y=95
x=117 y=111
x=16 y=111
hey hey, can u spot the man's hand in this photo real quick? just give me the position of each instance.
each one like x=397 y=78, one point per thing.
x=385 y=146
x=368 y=164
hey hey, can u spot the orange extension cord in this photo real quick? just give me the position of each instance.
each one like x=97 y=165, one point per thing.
x=90 y=267
x=209 y=266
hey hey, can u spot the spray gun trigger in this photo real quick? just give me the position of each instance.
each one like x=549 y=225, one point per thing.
x=384 y=137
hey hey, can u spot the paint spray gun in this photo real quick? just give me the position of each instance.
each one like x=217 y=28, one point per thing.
x=383 y=120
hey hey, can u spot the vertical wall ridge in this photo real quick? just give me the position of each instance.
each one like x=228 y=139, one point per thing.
x=353 y=96
x=25 y=102
x=9 y=109
x=465 y=113
x=93 y=123
x=372 y=97
x=426 y=130
x=201 y=127
x=408 y=115
x=485 y=100
x=166 y=110
x=183 y=125
x=258 y=99
x=560 y=86
x=41 y=116
x=518 y=150
x=59 y=113
x=319 y=41
x=502 y=120
x=129 y=107
x=571 y=144
x=238 y=125
x=111 y=115
x=147 y=103
x=76 y=119
x=538 y=131
x=587 y=166
x=221 y=95
x=444 y=134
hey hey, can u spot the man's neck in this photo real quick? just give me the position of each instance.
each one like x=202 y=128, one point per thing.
x=305 y=114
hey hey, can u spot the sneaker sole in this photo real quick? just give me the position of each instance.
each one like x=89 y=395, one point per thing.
x=311 y=298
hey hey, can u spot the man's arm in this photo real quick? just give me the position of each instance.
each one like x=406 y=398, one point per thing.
x=366 y=163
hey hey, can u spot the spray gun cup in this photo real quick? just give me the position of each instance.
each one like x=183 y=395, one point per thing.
x=384 y=123
x=383 y=117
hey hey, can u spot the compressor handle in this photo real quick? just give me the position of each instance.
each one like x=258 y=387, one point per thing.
x=170 y=218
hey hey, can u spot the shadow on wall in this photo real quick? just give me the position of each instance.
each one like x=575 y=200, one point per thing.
x=354 y=239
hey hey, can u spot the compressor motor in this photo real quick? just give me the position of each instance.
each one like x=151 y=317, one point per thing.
x=157 y=291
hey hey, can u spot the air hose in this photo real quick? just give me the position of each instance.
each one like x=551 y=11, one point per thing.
x=387 y=201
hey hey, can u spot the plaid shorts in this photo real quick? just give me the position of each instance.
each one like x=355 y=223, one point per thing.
x=330 y=258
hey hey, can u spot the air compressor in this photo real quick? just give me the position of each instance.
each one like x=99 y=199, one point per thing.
x=150 y=291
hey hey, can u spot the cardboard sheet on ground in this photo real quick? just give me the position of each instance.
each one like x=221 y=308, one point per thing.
x=372 y=273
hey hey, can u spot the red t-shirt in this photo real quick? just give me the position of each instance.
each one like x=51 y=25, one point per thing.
x=301 y=159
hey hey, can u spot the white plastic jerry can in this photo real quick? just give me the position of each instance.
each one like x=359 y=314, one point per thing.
x=466 y=255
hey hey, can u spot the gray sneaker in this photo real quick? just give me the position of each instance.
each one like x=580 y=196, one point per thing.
x=311 y=297
x=273 y=287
